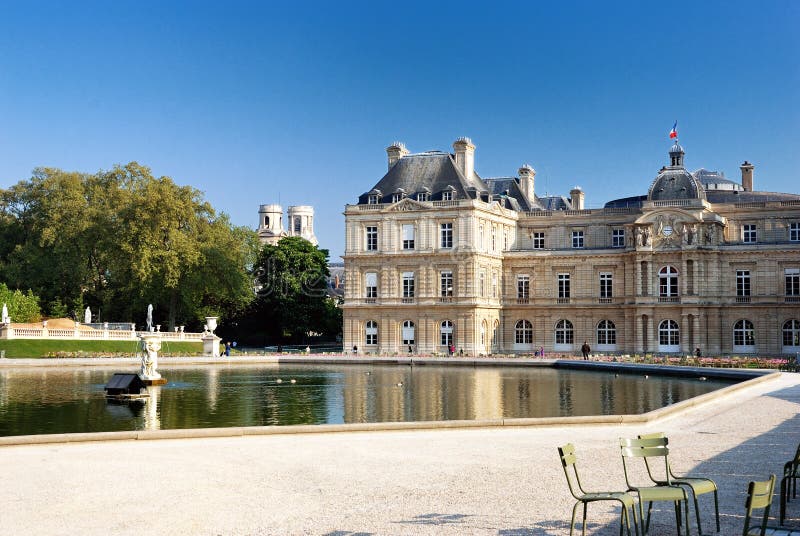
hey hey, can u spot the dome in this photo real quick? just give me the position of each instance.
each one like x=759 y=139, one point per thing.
x=675 y=184
x=676 y=149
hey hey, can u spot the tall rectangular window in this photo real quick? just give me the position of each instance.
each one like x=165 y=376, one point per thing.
x=482 y=283
x=371 y=285
x=794 y=232
x=505 y=239
x=446 y=283
x=446 y=235
x=494 y=238
x=577 y=239
x=749 y=233
x=408 y=284
x=408 y=236
x=480 y=238
x=494 y=284
x=618 y=238
x=742 y=282
x=792 y=281
x=372 y=238
x=523 y=287
x=538 y=240
x=606 y=285
x=563 y=286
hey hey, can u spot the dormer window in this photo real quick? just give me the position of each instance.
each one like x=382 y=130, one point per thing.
x=372 y=199
x=396 y=197
x=423 y=196
x=447 y=195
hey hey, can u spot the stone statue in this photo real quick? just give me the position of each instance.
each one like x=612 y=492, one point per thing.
x=150 y=317
x=709 y=234
x=644 y=235
x=689 y=233
x=150 y=348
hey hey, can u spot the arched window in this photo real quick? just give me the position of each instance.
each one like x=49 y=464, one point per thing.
x=564 y=332
x=446 y=332
x=496 y=336
x=523 y=332
x=266 y=221
x=606 y=333
x=743 y=333
x=669 y=336
x=371 y=332
x=791 y=334
x=408 y=332
x=668 y=282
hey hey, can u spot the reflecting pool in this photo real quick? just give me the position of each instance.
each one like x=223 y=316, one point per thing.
x=50 y=400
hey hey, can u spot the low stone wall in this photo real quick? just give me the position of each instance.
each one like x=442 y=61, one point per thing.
x=8 y=331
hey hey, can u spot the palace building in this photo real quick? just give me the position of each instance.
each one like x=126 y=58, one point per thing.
x=436 y=255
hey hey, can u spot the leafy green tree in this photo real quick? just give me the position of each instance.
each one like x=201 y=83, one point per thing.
x=22 y=307
x=120 y=239
x=292 y=299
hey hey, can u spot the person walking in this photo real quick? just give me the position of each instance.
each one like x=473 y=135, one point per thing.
x=585 y=349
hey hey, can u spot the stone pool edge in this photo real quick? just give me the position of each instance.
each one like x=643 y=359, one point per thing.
x=749 y=377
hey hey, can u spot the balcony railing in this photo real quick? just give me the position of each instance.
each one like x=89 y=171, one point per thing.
x=562 y=300
x=742 y=299
x=445 y=299
x=370 y=300
x=605 y=300
x=792 y=299
x=669 y=299
x=407 y=300
x=523 y=301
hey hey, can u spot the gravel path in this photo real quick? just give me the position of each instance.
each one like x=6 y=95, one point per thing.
x=471 y=481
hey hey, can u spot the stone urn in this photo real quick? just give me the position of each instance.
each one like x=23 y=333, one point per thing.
x=211 y=323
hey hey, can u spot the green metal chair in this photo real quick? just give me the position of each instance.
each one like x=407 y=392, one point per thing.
x=654 y=448
x=759 y=497
x=791 y=472
x=698 y=485
x=568 y=462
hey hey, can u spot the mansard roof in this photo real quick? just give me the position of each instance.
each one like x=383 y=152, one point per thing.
x=430 y=172
x=509 y=187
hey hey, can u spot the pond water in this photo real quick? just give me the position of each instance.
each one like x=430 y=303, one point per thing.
x=50 y=400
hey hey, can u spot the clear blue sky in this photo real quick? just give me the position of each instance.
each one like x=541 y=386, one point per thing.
x=295 y=103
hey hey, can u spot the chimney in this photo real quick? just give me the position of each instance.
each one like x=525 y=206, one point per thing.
x=747 y=176
x=396 y=151
x=465 y=157
x=526 y=181
x=576 y=198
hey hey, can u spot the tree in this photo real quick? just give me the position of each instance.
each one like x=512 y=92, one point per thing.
x=292 y=299
x=22 y=307
x=120 y=239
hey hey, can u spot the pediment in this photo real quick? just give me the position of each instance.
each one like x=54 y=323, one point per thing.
x=406 y=205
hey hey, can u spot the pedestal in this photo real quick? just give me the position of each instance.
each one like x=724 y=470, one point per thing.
x=211 y=345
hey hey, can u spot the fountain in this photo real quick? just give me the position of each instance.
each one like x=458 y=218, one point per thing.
x=151 y=344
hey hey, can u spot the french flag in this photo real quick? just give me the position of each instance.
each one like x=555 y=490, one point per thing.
x=674 y=132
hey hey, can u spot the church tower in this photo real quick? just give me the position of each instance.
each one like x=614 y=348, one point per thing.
x=301 y=222
x=270 y=224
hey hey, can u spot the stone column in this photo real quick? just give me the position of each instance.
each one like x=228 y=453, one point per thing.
x=685 y=342
x=696 y=331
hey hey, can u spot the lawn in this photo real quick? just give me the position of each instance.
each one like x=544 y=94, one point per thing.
x=17 y=348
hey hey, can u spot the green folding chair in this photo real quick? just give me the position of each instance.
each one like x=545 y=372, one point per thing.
x=791 y=472
x=698 y=485
x=759 y=497
x=568 y=462
x=668 y=492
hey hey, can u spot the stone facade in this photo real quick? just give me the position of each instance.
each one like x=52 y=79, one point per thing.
x=437 y=255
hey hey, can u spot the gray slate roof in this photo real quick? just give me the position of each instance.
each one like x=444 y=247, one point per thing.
x=509 y=187
x=433 y=170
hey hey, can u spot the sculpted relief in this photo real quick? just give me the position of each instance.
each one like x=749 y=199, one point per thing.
x=675 y=230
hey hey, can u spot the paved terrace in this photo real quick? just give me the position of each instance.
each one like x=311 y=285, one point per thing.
x=504 y=481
